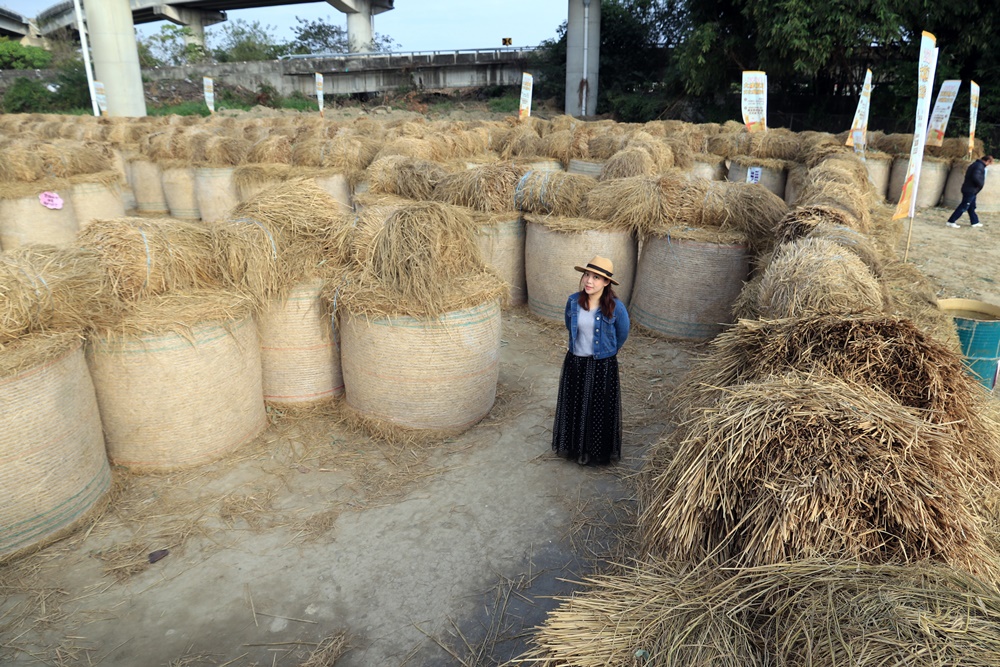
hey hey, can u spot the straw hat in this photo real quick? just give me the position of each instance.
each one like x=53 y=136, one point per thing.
x=602 y=266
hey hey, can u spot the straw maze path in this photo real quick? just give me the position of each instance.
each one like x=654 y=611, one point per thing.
x=430 y=554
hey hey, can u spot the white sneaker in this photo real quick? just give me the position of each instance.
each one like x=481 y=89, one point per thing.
x=978 y=225
x=953 y=225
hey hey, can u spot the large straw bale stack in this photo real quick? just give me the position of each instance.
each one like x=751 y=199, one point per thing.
x=552 y=192
x=289 y=233
x=774 y=144
x=275 y=149
x=147 y=256
x=563 y=145
x=253 y=178
x=53 y=467
x=933 y=177
x=350 y=154
x=407 y=146
x=51 y=289
x=893 y=144
x=637 y=204
x=770 y=173
x=879 y=167
x=38 y=212
x=419 y=320
x=489 y=188
x=404 y=176
x=522 y=141
x=782 y=468
x=500 y=237
x=687 y=281
x=178 y=380
x=817 y=276
x=554 y=245
x=603 y=146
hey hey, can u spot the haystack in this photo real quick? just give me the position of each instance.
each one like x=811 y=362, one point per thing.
x=47 y=289
x=252 y=179
x=55 y=470
x=770 y=173
x=291 y=232
x=854 y=200
x=563 y=145
x=817 y=276
x=347 y=154
x=489 y=188
x=404 y=176
x=554 y=192
x=637 y=204
x=500 y=237
x=933 y=177
x=142 y=257
x=794 y=466
x=37 y=213
x=419 y=319
x=798 y=222
x=879 y=166
x=627 y=163
x=708 y=166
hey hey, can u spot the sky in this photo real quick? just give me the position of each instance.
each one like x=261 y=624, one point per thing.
x=416 y=25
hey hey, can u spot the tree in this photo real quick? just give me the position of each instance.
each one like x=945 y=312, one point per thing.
x=322 y=37
x=14 y=55
x=246 y=41
x=171 y=46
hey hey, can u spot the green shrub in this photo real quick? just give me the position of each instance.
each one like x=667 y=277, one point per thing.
x=27 y=96
x=14 y=55
x=504 y=104
x=191 y=108
x=72 y=88
x=300 y=102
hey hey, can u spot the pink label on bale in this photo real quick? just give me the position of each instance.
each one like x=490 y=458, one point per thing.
x=50 y=200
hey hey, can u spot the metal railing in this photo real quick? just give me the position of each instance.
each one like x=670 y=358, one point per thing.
x=396 y=54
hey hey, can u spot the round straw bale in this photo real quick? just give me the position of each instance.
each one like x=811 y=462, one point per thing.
x=552 y=192
x=215 y=191
x=781 y=469
x=407 y=146
x=251 y=179
x=53 y=467
x=522 y=141
x=147 y=185
x=275 y=149
x=794 y=182
x=405 y=176
x=893 y=144
x=437 y=374
x=856 y=202
x=772 y=173
x=637 y=204
x=350 y=154
x=707 y=166
x=489 y=188
x=817 y=276
x=554 y=246
x=97 y=197
x=563 y=145
x=300 y=357
x=851 y=239
x=179 y=381
x=729 y=143
x=221 y=151
x=603 y=146
x=148 y=256
x=628 y=162
x=686 y=284
x=798 y=222
x=775 y=144
x=586 y=167
x=749 y=208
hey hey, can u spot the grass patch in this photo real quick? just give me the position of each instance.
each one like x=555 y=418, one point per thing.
x=189 y=108
x=299 y=103
x=506 y=104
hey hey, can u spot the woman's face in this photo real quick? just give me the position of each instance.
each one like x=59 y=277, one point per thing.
x=593 y=283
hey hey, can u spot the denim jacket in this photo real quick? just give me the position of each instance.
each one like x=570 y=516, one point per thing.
x=609 y=336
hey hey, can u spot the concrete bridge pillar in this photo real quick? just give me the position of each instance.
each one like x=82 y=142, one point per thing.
x=583 y=56
x=116 y=56
x=360 y=36
x=195 y=19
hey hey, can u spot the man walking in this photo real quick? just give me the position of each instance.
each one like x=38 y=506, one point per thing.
x=975 y=178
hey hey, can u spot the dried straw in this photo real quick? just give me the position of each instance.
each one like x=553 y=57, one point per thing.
x=627 y=163
x=817 y=276
x=50 y=289
x=803 y=219
x=795 y=466
x=250 y=178
x=275 y=149
x=489 y=188
x=555 y=192
x=405 y=176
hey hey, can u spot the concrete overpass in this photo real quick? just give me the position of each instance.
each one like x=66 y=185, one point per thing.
x=112 y=33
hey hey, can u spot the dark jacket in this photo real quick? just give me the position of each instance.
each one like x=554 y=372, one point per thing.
x=608 y=339
x=975 y=178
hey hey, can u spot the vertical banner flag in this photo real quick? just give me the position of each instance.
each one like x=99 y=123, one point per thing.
x=319 y=92
x=925 y=81
x=755 y=101
x=526 y=83
x=102 y=97
x=973 y=115
x=858 y=136
x=942 y=111
x=209 y=87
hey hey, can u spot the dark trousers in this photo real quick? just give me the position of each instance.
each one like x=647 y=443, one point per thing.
x=968 y=204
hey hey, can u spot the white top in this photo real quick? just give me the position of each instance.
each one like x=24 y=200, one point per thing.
x=583 y=346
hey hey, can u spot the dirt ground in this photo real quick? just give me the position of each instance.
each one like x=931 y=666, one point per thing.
x=437 y=554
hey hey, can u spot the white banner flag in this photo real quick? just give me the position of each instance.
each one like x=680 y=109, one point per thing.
x=973 y=115
x=942 y=111
x=925 y=81
x=527 y=81
x=858 y=136
x=319 y=92
x=209 y=87
x=754 y=101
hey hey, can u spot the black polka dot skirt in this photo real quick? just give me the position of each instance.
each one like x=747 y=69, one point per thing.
x=588 y=425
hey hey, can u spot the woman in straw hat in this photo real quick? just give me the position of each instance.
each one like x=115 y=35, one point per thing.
x=588 y=425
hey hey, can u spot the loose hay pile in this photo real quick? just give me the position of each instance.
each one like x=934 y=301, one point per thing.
x=405 y=176
x=489 y=188
x=554 y=192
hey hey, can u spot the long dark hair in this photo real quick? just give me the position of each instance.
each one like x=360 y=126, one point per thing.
x=607 y=303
